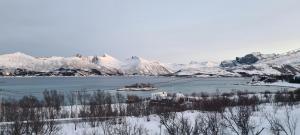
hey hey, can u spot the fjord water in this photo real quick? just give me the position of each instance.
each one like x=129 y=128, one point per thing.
x=14 y=87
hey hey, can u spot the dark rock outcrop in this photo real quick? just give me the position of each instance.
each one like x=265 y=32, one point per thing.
x=247 y=59
x=225 y=64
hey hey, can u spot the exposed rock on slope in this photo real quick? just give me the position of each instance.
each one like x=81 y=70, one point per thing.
x=262 y=64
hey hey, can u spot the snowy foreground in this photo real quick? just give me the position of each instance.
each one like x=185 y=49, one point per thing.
x=154 y=127
x=239 y=113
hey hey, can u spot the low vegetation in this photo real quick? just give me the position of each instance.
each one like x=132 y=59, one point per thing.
x=231 y=111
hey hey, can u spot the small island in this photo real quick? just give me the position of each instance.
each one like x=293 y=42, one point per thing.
x=138 y=87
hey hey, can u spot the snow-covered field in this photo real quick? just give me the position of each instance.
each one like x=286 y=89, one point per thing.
x=154 y=127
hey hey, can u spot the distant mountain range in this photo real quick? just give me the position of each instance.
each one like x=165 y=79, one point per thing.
x=20 y=64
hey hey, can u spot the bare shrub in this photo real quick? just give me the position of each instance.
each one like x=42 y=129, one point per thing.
x=71 y=101
x=83 y=97
x=106 y=127
x=286 y=125
x=52 y=102
x=238 y=121
x=210 y=123
x=32 y=114
x=176 y=124
x=109 y=127
x=215 y=103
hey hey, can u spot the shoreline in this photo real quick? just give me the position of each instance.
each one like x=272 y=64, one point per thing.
x=278 y=84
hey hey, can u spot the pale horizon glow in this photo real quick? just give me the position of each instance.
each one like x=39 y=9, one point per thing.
x=169 y=31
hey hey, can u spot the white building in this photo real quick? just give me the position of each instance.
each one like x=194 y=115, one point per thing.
x=159 y=96
x=179 y=96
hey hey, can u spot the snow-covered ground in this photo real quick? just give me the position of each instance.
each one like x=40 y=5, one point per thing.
x=154 y=127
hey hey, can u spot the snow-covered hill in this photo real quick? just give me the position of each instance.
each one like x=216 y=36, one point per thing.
x=265 y=64
x=200 y=69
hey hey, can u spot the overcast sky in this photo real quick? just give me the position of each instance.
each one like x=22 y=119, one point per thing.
x=165 y=30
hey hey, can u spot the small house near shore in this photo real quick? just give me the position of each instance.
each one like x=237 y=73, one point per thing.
x=159 y=96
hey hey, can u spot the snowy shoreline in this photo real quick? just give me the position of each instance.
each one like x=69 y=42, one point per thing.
x=279 y=84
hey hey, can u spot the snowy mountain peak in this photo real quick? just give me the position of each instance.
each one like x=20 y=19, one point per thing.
x=106 y=55
x=138 y=65
x=138 y=60
x=109 y=61
x=293 y=51
x=17 y=54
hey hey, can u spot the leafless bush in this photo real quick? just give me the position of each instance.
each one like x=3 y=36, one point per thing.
x=17 y=128
x=32 y=114
x=106 y=127
x=286 y=125
x=185 y=126
x=215 y=103
x=247 y=100
x=168 y=120
x=109 y=127
x=83 y=98
x=26 y=116
x=238 y=121
x=71 y=100
x=53 y=99
x=210 y=123
x=285 y=97
x=290 y=121
x=53 y=102
x=120 y=100
x=176 y=124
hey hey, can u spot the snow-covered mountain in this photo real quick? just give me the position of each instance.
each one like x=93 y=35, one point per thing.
x=23 y=64
x=20 y=64
x=106 y=61
x=265 y=64
x=202 y=69
x=137 y=65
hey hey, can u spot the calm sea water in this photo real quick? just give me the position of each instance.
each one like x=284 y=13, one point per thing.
x=14 y=87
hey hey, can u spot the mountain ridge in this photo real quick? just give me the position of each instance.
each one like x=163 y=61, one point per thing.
x=256 y=63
